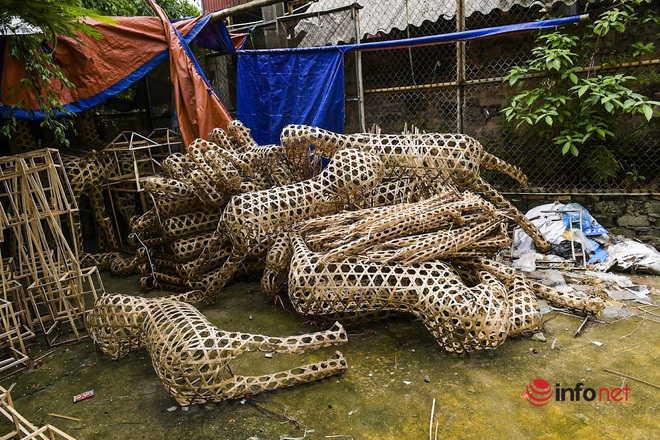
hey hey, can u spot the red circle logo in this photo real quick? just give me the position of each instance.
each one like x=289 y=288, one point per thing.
x=539 y=392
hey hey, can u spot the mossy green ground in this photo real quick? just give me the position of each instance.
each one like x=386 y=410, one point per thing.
x=396 y=370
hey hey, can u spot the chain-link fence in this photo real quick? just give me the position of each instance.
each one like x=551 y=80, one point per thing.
x=459 y=86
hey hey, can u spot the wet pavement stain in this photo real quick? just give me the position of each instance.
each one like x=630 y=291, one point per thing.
x=396 y=370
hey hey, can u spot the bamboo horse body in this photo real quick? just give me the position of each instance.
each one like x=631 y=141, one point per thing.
x=454 y=158
x=191 y=356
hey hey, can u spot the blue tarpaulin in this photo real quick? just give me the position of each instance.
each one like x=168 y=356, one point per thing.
x=306 y=86
x=496 y=31
x=295 y=86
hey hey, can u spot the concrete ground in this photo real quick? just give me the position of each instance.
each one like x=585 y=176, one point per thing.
x=396 y=373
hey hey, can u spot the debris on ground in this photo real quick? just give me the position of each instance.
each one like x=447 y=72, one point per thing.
x=586 y=254
x=82 y=396
x=23 y=428
x=631 y=255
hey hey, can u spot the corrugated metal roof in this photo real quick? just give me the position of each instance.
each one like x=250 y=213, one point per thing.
x=219 y=5
x=381 y=16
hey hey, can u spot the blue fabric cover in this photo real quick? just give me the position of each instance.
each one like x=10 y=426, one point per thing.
x=215 y=36
x=292 y=86
x=305 y=86
x=467 y=35
x=589 y=225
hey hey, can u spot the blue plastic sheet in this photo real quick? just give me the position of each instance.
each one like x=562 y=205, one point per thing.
x=589 y=225
x=215 y=36
x=496 y=31
x=305 y=86
x=292 y=86
x=600 y=255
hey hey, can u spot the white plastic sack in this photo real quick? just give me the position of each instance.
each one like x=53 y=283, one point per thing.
x=526 y=262
x=549 y=222
x=632 y=254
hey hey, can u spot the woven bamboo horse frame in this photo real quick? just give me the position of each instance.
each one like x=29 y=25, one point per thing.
x=461 y=318
x=202 y=181
x=385 y=261
x=253 y=220
x=86 y=175
x=454 y=158
x=187 y=206
x=191 y=356
x=263 y=166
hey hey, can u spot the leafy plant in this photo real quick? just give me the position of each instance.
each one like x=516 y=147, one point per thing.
x=54 y=17
x=634 y=180
x=569 y=102
x=601 y=164
x=42 y=73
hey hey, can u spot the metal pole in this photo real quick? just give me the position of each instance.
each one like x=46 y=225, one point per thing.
x=256 y=4
x=358 y=69
x=150 y=113
x=460 y=65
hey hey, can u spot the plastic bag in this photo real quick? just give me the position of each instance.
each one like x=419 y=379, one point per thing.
x=579 y=236
x=547 y=219
x=573 y=217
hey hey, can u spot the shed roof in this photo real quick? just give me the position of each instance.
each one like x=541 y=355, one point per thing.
x=381 y=16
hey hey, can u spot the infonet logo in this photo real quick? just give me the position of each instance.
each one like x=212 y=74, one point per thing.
x=539 y=393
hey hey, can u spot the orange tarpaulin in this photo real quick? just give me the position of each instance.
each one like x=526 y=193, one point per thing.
x=94 y=64
x=198 y=108
x=128 y=49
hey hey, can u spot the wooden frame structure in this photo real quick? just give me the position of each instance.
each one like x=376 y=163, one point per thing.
x=16 y=329
x=135 y=156
x=38 y=207
x=24 y=429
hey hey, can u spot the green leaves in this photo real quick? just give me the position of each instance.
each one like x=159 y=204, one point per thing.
x=641 y=48
x=573 y=106
x=648 y=111
x=515 y=74
x=613 y=19
x=554 y=52
x=581 y=90
x=54 y=17
x=41 y=74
